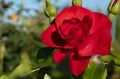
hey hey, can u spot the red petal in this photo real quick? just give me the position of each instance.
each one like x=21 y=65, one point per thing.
x=52 y=38
x=78 y=64
x=86 y=24
x=103 y=29
x=66 y=27
x=99 y=40
x=72 y=12
x=46 y=36
x=98 y=43
x=104 y=42
x=59 y=55
x=88 y=45
x=101 y=21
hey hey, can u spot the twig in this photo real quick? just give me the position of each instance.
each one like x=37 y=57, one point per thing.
x=30 y=72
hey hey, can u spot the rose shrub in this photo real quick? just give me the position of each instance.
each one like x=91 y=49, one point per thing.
x=78 y=33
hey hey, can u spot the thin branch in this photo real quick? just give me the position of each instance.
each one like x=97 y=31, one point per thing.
x=30 y=72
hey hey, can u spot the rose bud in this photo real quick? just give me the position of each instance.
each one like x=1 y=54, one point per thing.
x=77 y=2
x=49 y=9
x=114 y=7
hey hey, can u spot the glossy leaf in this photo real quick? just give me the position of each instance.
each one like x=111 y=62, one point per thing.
x=44 y=52
x=95 y=71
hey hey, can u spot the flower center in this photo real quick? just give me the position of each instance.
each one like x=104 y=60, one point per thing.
x=75 y=30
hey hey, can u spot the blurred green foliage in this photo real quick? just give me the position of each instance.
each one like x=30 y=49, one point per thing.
x=24 y=56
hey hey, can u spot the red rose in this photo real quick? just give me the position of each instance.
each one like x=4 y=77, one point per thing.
x=80 y=34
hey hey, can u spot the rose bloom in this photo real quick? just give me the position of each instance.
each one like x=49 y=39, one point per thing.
x=79 y=34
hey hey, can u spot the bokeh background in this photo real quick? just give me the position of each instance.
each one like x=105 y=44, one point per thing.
x=21 y=25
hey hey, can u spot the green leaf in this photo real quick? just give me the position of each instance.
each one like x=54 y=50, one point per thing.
x=44 y=52
x=43 y=71
x=44 y=57
x=95 y=71
x=113 y=56
x=116 y=57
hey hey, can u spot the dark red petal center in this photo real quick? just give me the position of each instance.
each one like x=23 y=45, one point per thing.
x=75 y=30
x=57 y=39
x=72 y=32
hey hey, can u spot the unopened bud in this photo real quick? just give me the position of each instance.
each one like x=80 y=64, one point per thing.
x=77 y=2
x=114 y=7
x=49 y=9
